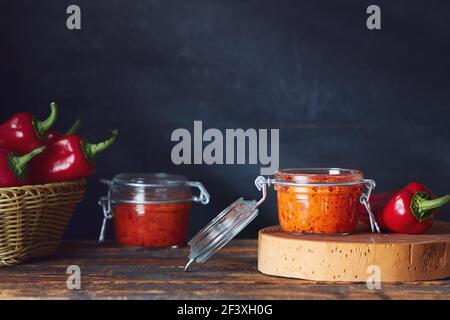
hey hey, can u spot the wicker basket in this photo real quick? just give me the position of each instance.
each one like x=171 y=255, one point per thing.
x=33 y=219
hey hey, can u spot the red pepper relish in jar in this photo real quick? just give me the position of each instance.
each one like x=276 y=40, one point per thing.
x=152 y=210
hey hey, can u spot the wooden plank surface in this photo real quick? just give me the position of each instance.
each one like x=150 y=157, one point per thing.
x=112 y=272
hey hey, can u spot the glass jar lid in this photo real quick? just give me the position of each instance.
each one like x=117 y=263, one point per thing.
x=149 y=179
x=223 y=228
x=145 y=188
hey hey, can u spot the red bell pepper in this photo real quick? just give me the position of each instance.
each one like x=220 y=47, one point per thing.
x=411 y=210
x=53 y=135
x=14 y=168
x=23 y=133
x=68 y=158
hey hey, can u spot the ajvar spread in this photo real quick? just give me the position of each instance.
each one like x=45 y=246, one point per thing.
x=318 y=209
x=152 y=225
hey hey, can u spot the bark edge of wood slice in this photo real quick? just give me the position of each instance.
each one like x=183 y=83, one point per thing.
x=400 y=257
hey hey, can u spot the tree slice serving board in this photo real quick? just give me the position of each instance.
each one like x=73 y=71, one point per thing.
x=400 y=257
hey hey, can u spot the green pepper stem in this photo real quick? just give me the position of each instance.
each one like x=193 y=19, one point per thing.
x=74 y=128
x=91 y=150
x=19 y=164
x=42 y=126
x=425 y=205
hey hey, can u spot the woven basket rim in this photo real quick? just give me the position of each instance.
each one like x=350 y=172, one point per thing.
x=46 y=185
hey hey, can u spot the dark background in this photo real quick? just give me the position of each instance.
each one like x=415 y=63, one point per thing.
x=340 y=94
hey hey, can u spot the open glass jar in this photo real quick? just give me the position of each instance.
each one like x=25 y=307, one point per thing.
x=310 y=201
x=150 y=209
x=318 y=200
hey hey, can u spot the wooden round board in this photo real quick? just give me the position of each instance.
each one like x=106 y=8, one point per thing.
x=355 y=257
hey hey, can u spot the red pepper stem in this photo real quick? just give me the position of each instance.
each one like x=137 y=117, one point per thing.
x=19 y=164
x=425 y=205
x=74 y=128
x=91 y=150
x=42 y=126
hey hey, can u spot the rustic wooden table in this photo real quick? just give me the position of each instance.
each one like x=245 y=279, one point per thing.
x=112 y=272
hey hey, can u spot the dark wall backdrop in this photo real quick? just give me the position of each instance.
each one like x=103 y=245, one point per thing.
x=340 y=94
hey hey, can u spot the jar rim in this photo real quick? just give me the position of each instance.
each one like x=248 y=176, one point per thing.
x=319 y=176
x=320 y=170
x=145 y=180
